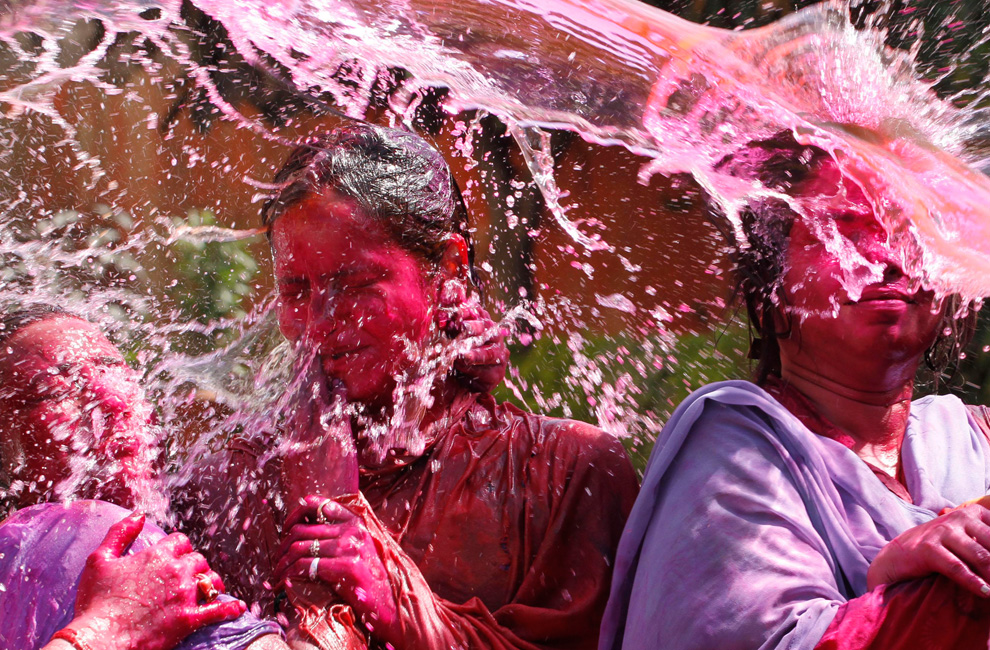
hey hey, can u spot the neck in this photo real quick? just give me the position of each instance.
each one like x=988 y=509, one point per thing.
x=450 y=401
x=874 y=414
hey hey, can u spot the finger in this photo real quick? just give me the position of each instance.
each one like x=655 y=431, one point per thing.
x=329 y=572
x=471 y=313
x=477 y=328
x=120 y=535
x=307 y=513
x=196 y=563
x=216 y=580
x=339 y=575
x=959 y=572
x=453 y=293
x=216 y=612
x=205 y=587
x=969 y=550
x=295 y=552
x=467 y=312
x=303 y=551
x=177 y=544
x=301 y=532
x=489 y=355
x=980 y=532
x=298 y=551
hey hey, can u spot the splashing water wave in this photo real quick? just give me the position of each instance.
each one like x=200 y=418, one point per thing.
x=617 y=73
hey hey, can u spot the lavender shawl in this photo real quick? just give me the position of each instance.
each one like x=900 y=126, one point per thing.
x=750 y=531
x=42 y=553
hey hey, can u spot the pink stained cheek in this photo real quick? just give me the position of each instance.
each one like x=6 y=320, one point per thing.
x=810 y=280
x=291 y=320
x=56 y=421
x=49 y=439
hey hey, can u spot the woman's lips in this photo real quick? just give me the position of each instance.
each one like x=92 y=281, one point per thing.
x=336 y=355
x=885 y=293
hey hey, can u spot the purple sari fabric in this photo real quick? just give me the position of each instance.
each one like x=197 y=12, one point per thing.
x=42 y=553
x=750 y=530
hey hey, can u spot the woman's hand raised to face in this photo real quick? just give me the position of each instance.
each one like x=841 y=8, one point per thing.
x=482 y=367
x=328 y=544
x=322 y=457
x=955 y=544
x=150 y=600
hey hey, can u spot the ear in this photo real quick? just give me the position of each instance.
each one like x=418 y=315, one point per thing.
x=454 y=262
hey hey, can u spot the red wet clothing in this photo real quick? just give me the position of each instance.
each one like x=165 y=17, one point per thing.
x=502 y=535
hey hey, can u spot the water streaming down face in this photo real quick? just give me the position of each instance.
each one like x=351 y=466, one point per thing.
x=77 y=420
x=140 y=137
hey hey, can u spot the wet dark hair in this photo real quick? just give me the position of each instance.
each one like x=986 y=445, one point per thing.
x=782 y=164
x=14 y=321
x=395 y=176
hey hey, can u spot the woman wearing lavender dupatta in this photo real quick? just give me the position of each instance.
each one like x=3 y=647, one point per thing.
x=89 y=575
x=818 y=507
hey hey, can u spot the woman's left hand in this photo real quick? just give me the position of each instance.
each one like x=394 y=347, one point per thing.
x=482 y=367
x=955 y=544
x=341 y=554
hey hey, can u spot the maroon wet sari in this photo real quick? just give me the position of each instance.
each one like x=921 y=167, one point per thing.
x=502 y=535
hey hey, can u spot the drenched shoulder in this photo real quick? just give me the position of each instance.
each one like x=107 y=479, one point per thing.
x=565 y=441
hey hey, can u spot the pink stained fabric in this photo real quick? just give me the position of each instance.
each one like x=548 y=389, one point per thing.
x=751 y=531
x=502 y=535
x=925 y=614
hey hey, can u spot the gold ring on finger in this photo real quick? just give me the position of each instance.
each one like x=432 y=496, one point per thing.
x=314 y=548
x=321 y=517
x=204 y=585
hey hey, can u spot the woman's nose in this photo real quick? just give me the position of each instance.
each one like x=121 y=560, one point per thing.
x=116 y=396
x=874 y=245
x=319 y=323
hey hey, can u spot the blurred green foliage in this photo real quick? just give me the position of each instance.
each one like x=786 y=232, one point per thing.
x=624 y=384
x=212 y=282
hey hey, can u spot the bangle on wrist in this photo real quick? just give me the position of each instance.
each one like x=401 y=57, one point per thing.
x=73 y=637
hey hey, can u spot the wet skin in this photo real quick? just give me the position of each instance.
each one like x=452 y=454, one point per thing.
x=347 y=289
x=369 y=308
x=68 y=393
x=874 y=343
x=856 y=365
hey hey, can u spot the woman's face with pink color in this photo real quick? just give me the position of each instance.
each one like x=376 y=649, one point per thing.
x=351 y=294
x=891 y=321
x=71 y=405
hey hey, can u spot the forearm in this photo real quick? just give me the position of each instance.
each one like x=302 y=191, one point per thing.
x=896 y=617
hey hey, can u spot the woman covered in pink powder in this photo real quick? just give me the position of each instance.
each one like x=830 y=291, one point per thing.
x=821 y=506
x=89 y=574
x=423 y=514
